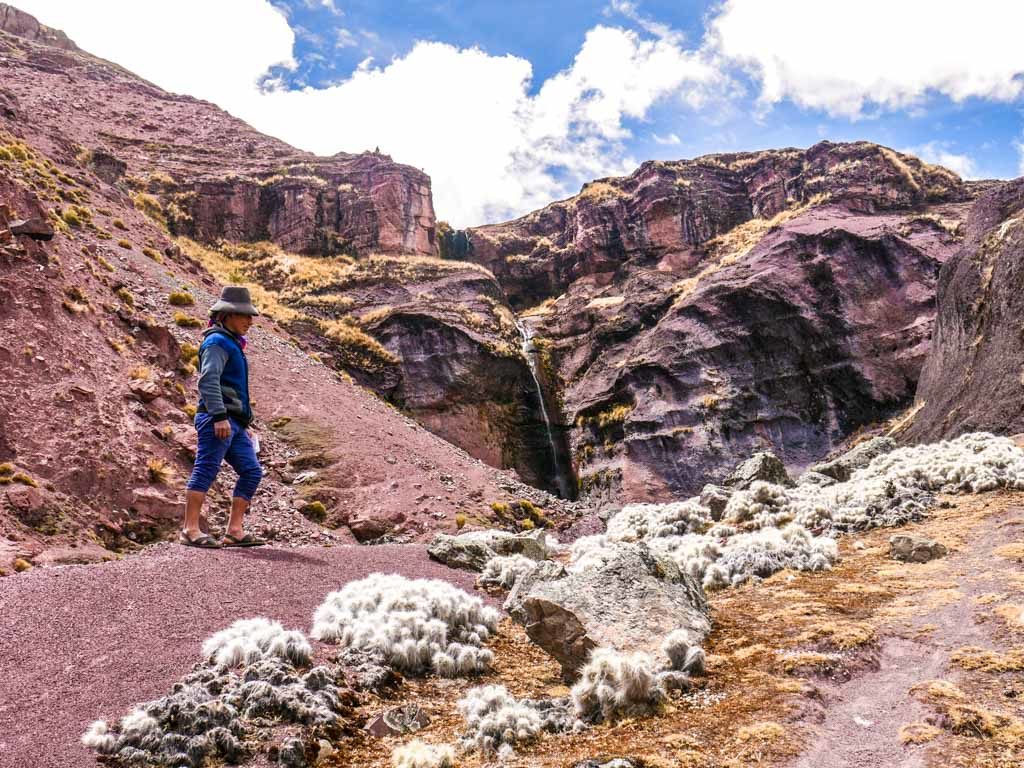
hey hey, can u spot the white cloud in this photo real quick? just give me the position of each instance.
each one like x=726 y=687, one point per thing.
x=938 y=152
x=670 y=140
x=841 y=58
x=196 y=47
x=466 y=117
x=345 y=39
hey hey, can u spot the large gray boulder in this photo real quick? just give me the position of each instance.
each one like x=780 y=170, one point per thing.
x=472 y=550
x=546 y=570
x=763 y=465
x=630 y=603
x=858 y=457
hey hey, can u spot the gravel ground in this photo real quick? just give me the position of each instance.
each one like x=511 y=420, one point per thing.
x=84 y=642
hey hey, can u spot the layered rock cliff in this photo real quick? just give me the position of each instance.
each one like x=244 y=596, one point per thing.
x=974 y=375
x=696 y=311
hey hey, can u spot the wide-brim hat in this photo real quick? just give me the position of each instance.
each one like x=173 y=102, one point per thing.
x=235 y=298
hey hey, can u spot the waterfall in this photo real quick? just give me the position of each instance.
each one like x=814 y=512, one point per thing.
x=530 y=353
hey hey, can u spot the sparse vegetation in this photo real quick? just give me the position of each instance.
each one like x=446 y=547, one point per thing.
x=125 y=295
x=140 y=373
x=153 y=254
x=315 y=511
x=181 y=299
x=119 y=224
x=21 y=565
x=126 y=244
x=186 y=321
x=158 y=470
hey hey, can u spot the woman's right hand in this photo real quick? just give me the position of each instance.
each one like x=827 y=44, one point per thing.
x=222 y=429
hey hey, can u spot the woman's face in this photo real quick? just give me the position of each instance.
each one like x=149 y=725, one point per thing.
x=238 y=324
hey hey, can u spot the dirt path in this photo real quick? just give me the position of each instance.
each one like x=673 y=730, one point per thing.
x=917 y=634
x=84 y=642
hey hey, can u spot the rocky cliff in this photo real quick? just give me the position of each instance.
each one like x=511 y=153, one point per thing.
x=212 y=175
x=974 y=375
x=696 y=311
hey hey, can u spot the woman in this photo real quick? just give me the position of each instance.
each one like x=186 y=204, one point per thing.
x=222 y=419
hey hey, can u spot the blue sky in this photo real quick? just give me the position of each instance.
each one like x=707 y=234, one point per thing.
x=510 y=105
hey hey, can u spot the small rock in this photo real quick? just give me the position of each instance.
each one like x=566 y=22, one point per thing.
x=763 y=465
x=914 y=549
x=398 y=720
x=146 y=391
x=36 y=228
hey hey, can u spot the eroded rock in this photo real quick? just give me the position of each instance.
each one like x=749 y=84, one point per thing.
x=763 y=465
x=858 y=457
x=630 y=603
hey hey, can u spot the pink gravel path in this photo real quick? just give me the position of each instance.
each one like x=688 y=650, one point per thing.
x=84 y=642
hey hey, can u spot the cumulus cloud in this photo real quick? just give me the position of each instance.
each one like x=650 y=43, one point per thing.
x=939 y=152
x=845 y=59
x=493 y=145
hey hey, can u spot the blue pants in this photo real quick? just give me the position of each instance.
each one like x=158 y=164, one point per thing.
x=211 y=451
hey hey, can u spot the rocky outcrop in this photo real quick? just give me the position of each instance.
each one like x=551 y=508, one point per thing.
x=204 y=173
x=355 y=204
x=763 y=466
x=915 y=549
x=630 y=603
x=697 y=312
x=21 y=24
x=472 y=550
x=842 y=467
x=974 y=376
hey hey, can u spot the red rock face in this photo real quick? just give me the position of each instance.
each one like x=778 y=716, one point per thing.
x=973 y=376
x=701 y=310
x=215 y=176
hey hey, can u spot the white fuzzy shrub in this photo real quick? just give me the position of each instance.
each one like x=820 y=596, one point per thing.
x=636 y=522
x=418 y=626
x=208 y=718
x=419 y=754
x=249 y=640
x=99 y=738
x=504 y=570
x=769 y=527
x=682 y=654
x=495 y=718
x=614 y=684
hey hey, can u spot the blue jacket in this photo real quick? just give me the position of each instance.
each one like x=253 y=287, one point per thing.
x=224 y=377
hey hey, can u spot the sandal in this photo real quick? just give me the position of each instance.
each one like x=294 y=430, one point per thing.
x=202 y=541
x=246 y=540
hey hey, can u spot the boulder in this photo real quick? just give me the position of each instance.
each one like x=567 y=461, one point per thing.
x=155 y=505
x=810 y=477
x=36 y=228
x=763 y=465
x=915 y=549
x=858 y=457
x=146 y=391
x=545 y=570
x=472 y=550
x=27 y=504
x=368 y=527
x=630 y=603
x=715 y=498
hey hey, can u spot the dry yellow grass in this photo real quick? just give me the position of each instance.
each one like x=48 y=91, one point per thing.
x=1013 y=551
x=1012 y=614
x=972 y=657
x=918 y=733
x=600 y=191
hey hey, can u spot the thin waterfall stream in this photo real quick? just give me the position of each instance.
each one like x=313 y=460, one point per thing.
x=530 y=353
